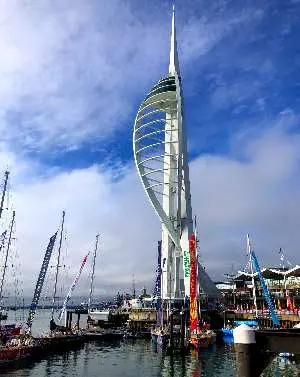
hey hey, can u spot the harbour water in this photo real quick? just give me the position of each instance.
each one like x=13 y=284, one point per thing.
x=130 y=358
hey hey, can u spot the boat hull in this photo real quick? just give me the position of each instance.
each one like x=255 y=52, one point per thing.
x=227 y=332
x=204 y=341
x=10 y=355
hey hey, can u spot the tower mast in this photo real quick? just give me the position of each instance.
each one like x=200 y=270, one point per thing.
x=160 y=153
x=6 y=174
x=57 y=264
x=93 y=273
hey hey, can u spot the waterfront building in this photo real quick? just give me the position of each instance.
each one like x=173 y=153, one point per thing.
x=282 y=282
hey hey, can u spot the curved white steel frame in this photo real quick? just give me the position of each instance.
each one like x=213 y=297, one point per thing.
x=160 y=154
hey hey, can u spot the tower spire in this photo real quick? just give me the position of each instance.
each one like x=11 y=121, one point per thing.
x=174 y=64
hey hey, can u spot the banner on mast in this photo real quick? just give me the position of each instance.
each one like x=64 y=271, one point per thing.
x=193 y=290
x=186 y=272
x=63 y=309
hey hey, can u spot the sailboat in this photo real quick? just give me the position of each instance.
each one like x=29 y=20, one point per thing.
x=96 y=315
x=16 y=346
x=61 y=335
x=200 y=335
x=160 y=334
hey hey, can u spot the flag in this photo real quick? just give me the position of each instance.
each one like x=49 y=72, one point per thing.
x=193 y=291
x=72 y=287
x=278 y=305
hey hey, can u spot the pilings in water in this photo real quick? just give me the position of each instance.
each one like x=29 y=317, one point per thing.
x=182 y=329
x=69 y=319
x=245 y=351
x=171 y=330
x=250 y=358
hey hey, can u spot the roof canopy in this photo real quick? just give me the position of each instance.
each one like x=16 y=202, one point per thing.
x=270 y=273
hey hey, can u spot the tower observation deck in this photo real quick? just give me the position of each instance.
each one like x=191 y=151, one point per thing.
x=160 y=153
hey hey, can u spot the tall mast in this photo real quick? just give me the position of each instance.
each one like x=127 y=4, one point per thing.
x=93 y=273
x=2 y=239
x=3 y=192
x=6 y=254
x=197 y=269
x=57 y=264
x=133 y=286
x=252 y=274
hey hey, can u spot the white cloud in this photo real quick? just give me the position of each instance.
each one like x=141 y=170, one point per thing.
x=258 y=193
x=255 y=190
x=68 y=69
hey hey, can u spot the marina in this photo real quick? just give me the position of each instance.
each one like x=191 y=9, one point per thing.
x=186 y=324
x=111 y=354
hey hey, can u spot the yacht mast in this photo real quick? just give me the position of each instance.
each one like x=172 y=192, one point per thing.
x=252 y=274
x=57 y=264
x=4 y=192
x=133 y=287
x=6 y=254
x=93 y=273
x=197 y=269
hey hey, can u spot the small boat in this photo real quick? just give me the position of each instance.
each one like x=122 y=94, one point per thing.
x=228 y=331
x=160 y=335
x=206 y=339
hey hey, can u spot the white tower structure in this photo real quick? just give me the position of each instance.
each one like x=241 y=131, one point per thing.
x=160 y=152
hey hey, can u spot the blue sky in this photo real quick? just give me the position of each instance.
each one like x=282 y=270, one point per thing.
x=239 y=63
x=72 y=75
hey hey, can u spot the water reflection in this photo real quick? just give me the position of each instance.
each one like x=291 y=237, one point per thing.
x=141 y=358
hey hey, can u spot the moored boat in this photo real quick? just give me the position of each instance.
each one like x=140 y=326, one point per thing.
x=160 y=335
x=206 y=339
x=228 y=331
x=17 y=349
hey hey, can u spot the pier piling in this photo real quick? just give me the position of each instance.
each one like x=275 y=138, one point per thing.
x=245 y=351
x=182 y=329
x=171 y=331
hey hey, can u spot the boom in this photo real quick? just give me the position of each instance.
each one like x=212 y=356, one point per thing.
x=40 y=281
x=266 y=291
x=63 y=309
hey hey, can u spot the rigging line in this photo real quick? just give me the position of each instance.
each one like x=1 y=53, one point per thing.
x=57 y=265
x=6 y=255
x=93 y=273
x=4 y=192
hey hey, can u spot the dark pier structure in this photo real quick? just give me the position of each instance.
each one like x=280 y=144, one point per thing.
x=254 y=349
